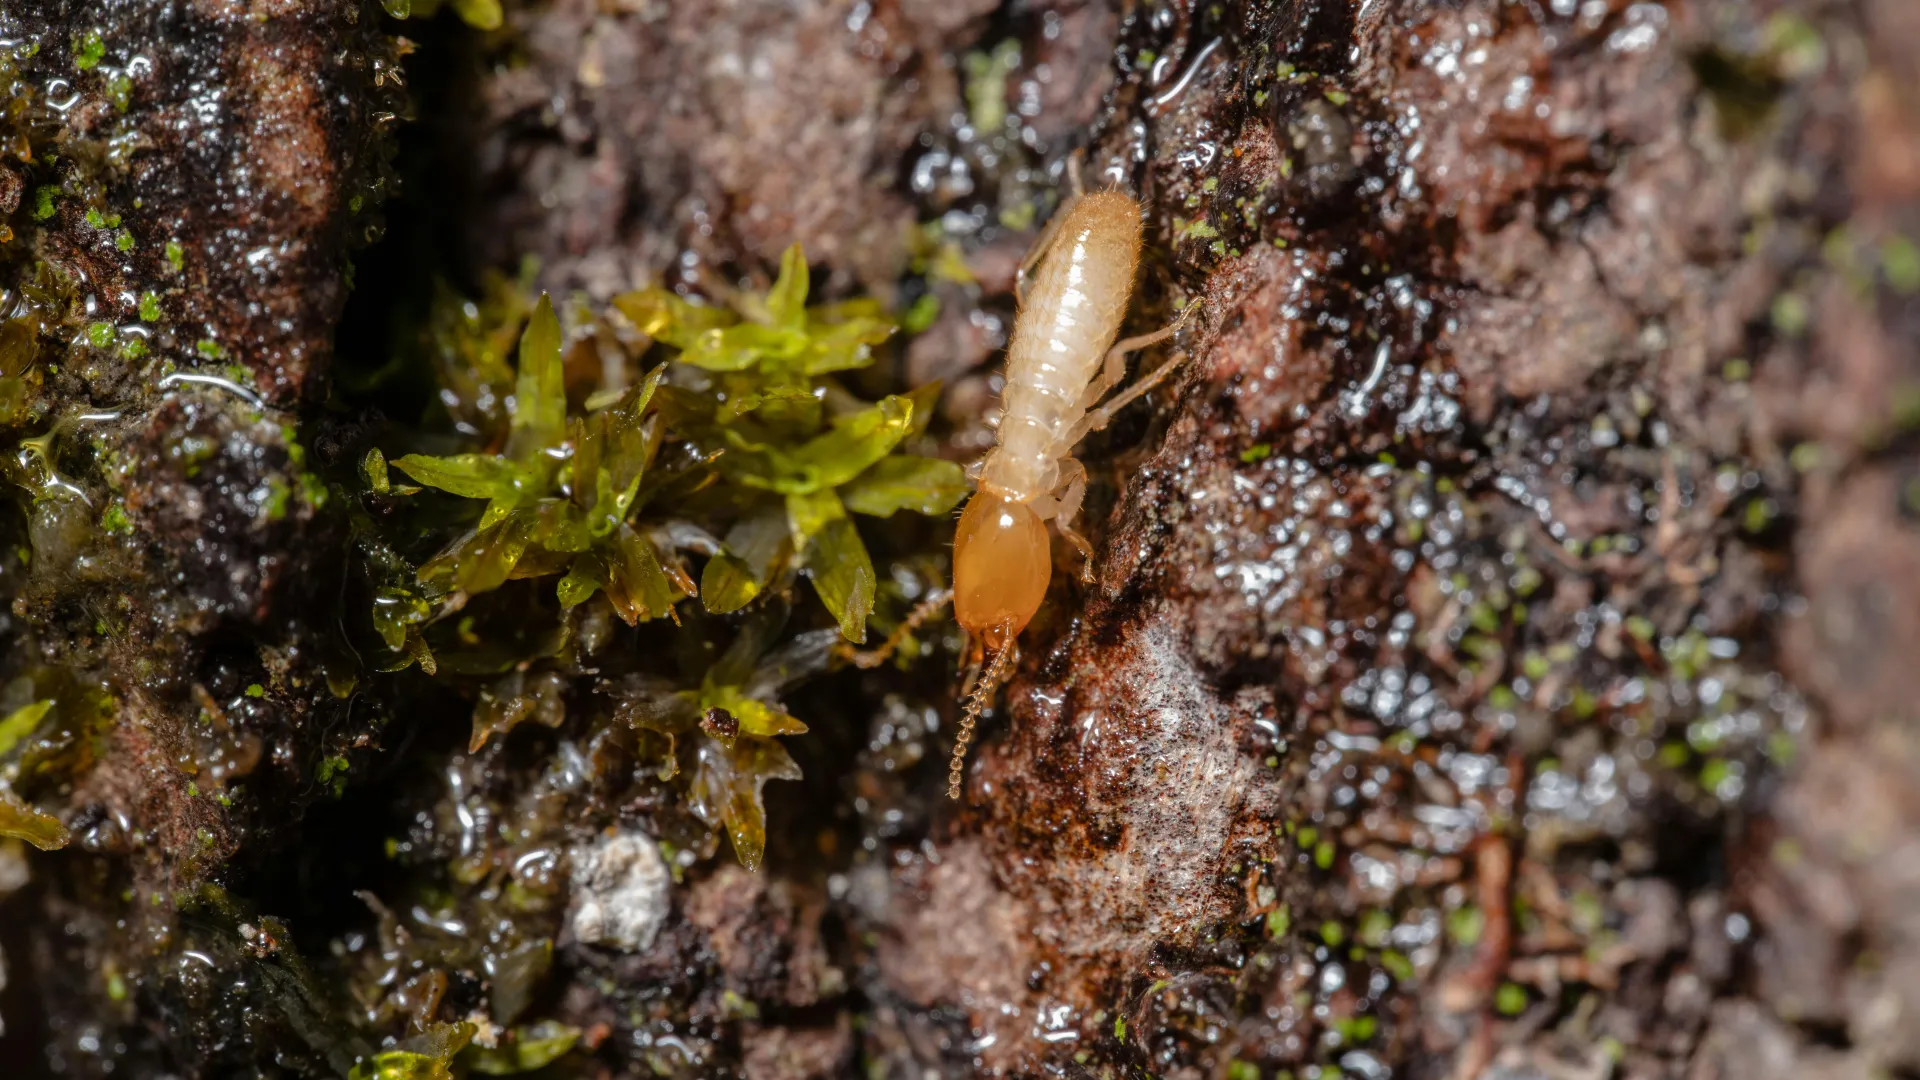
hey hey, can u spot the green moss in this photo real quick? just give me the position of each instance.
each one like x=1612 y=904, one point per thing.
x=120 y=90
x=279 y=496
x=987 y=74
x=1354 y=1030
x=1374 y=927
x=1279 y=921
x=740 y=445
x=428 y=1056
x=1465 y=924
x=1900 y=264
x=20 y=821
x=1198 y=230
x=1397 y=965
x=89 y=48
x=115 y=521
x=1510 y=999
x=524 y=1049
x=921 y=314
x=21 y=722
x=332 y=773
x=1791 y=315
x=479 y=14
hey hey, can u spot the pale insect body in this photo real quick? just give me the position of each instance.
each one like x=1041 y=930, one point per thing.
x=1071 y=316
x=1062 y=362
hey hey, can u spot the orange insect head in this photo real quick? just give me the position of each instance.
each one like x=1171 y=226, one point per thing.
x=1001 y=566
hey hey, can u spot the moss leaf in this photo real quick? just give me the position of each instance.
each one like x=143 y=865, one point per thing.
x=787 y=303
x=737 y=348
x=539 y=392
x=825 y=461
x=23 y=822
x=480 y=14
x=764 y=540
x=843 y=576
x=803 y=655
x=517 y=974
x=652 y=703
x=924 y=485
x=428 y=1056
x=756 y=717
x=637 y=586
x=808 y=515
x=480 y=561
x=611 y=456
x=613 y=450
x=519 y=697
x=727 y=584
x=524 y=1050
x=727 y=790
x=21 y=723
x=584 y=577
x=667 y=317
x=844 y=340
x=470 y=476
x=396 y=611
x=855 y=442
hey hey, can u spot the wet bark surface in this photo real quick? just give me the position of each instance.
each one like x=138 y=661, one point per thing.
x=1497 y=654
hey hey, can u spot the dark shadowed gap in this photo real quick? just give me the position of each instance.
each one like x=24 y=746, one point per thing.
x=337 y=848
x=393 y=278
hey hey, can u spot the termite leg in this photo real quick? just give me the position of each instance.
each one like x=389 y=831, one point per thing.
x=924 y=610
x=1099 y=415
x=1102 y=416
x=1112 y=371
x=1075 y=476
x=1075 y=161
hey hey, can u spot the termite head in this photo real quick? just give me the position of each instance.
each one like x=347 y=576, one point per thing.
x=1001 y=565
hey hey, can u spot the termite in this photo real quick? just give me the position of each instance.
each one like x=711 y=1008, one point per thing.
x=1063 y=363
x=1061 y=366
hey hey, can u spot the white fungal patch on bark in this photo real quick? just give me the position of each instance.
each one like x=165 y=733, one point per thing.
x=620 y=891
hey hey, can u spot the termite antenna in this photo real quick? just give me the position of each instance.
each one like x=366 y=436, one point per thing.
x=977 y=703
x=923 y=611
